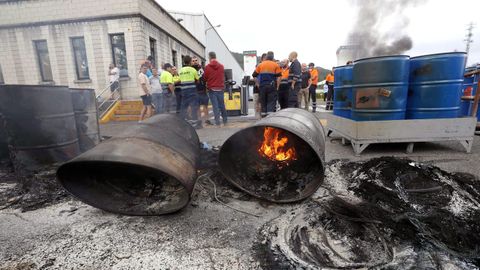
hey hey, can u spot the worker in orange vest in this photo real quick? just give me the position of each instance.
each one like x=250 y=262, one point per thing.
x=329 y=81
x=283 y=89
x=269 y=73
x=313 y=86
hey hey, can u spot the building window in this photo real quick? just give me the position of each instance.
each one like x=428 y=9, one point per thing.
x=153 y=51
x=119 y=53
x=174 y=58
x=80 y=57
x=2 y=81
x=182 y=57
x=43 y=60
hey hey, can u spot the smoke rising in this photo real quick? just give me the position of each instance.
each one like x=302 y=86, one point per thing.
x=380 y=27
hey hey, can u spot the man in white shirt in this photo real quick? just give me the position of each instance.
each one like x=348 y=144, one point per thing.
x=114 y=76
x=144 y=92
x=157 y=95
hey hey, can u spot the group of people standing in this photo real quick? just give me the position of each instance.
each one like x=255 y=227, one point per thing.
x=287 y=82
x=186 y=91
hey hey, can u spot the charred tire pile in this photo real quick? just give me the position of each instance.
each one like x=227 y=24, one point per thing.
x=389 y=214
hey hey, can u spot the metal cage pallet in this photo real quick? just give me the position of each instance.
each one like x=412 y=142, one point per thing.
x=363 y=133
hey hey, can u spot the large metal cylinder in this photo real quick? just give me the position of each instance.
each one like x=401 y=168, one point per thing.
x=436 y=85
x=40 y=124
x=3 y=141
x=342 y=99
x=149 y=169
x=243 y=161
x=86 y=117
x=380 y=88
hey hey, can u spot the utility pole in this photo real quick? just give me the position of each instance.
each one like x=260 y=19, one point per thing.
x=468 y=38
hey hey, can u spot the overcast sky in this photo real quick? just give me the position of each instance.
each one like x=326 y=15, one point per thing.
x=315 y=29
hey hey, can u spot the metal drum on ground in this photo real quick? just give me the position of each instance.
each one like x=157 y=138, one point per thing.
x=40 y=124
x=342 y=99
x=380 y=86
x=148 y=169
x=3 y=141
x=436 y=85
x=280 y=158
x=86 y=117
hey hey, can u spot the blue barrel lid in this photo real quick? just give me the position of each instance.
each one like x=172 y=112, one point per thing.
x=382 y=57
x=435 y=55
x=344 y=66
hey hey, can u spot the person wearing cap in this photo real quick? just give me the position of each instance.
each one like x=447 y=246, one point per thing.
x=168 y=88
x=156 y=91
x=313 y=86
x=188 y=79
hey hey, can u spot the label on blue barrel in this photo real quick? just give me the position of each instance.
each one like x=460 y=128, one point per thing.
x=384 y=92
x=367 y=98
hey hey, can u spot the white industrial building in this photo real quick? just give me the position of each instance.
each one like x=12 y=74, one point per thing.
x=72 y=42
x=200 y=26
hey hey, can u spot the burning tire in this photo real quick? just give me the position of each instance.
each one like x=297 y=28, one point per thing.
x=280 y=158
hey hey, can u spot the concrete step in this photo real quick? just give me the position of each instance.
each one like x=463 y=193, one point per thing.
x=128 y=112
x=121 y=118
x=131 y=102
x=130 y=107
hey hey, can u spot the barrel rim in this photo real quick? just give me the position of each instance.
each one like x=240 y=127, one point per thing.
x=233 y=181
x=383 y=56
x=81 y=89
x=435 y=82
x=34 y=85
x=437 y=54
x=393 y=84
x=93 y=203
x=343 y=66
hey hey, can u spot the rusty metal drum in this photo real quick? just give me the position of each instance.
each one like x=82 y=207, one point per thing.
x=280 y=158
x=86 y=117
x=149 y=169
x=40 y=125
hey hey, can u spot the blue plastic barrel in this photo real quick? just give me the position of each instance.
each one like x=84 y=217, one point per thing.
x=380 y=87
x=436 y=85
x=470 y=83
x=342 y=98
x=466 y=107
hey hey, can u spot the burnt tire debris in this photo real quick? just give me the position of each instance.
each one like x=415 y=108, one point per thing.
x=30 y=192
x=385 y=213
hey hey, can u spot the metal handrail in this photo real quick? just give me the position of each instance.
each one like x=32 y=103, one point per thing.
x=99 y=96
x=110 y=106
x=106 y=88
x=116 y=90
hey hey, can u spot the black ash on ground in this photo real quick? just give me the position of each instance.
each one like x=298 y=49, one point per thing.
x=385 y=213
x=30 y=192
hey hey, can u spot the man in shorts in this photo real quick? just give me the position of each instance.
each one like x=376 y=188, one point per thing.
x=144 y=92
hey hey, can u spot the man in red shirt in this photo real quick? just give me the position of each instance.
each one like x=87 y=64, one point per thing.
x=214 y=76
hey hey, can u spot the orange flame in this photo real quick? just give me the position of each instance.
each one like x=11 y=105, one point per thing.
x=274 y=146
